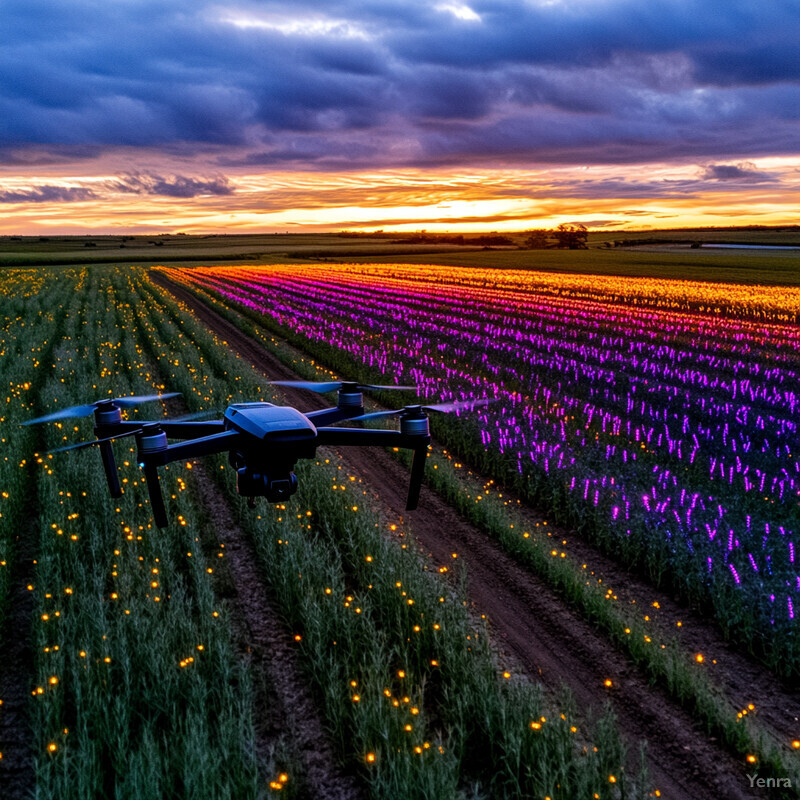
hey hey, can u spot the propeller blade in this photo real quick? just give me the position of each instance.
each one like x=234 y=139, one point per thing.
x=80 y=445
x=64 y=413
x=211 y=412
x=376 y=415
x=134 y=400
x=376 y=386
x=89 y=408
x=312 y=386
x=458 y=405
x=333 y=386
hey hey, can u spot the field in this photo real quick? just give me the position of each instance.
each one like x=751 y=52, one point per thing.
x=635 y=474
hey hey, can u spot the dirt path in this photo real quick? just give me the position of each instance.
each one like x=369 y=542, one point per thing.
x=544 y=636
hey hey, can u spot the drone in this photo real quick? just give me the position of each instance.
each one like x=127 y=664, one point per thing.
x=264 y=441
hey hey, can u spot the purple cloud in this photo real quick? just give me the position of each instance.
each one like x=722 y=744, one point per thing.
x=171 y=186
x=48 y=194
x=399 y=83
x=742 y=173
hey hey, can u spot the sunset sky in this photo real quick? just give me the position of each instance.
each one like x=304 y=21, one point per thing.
x=134 y=116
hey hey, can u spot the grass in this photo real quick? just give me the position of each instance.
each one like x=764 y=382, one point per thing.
x=372 y=620
x=137 y=688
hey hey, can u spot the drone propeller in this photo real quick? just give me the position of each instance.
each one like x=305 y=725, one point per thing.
x=333 y=386
x=464 y=405
x=80 y=445
x=90 y=408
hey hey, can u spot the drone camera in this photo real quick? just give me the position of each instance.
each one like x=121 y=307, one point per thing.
x=261 y=484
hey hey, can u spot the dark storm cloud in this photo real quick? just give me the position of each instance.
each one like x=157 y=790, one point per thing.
x=171 y=186
x=384 y=83
x=47 y=194
x=742 y=173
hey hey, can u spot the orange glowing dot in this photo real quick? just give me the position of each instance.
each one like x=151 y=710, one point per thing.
x=52 y=747
x=370 y=758
x=699 y=658
x=608 y=683
x=751 y=759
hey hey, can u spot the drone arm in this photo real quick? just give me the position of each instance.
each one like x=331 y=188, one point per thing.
x=152 y=459
x=204 y=446
x=173 y=430
x=365 y=437
x=191 y=430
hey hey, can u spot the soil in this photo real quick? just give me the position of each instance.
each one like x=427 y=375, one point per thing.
x=549 y=641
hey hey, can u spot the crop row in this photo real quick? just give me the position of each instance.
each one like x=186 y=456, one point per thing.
x=687 y=677
x=137 y=687
x=666 y=436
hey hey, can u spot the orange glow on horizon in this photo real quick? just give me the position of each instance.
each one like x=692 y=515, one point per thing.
x=600 y=197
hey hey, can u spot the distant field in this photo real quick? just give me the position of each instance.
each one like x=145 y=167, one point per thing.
x=664 y=254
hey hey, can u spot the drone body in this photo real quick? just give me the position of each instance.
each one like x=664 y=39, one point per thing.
x=264 y=441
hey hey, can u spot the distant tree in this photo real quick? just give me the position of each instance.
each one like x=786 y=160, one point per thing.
x=572 y=237
x=537 y=239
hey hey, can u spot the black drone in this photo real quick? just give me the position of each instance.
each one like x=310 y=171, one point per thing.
x=264 y=441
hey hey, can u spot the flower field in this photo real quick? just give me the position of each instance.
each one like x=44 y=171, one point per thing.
x=658 y=417
x=138 y=684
